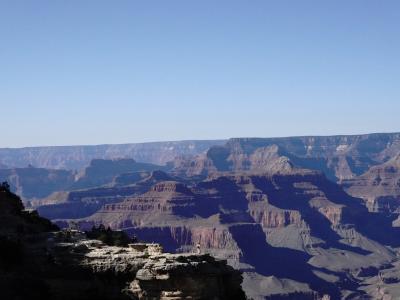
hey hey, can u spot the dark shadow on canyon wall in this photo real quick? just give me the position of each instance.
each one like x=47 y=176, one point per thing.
x=279 y=262
x=289 y=197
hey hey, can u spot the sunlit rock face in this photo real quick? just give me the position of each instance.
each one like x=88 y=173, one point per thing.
x=152 y=274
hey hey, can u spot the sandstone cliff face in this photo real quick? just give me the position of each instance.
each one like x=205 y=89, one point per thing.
x=379 y=186
x=271 y=217
x=166 y=197
x=83 y=203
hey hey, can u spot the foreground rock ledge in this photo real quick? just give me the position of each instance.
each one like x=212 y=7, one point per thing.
x=151 y=274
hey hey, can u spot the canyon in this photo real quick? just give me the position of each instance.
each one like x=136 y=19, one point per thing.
x=37 y=261
x=301 y=217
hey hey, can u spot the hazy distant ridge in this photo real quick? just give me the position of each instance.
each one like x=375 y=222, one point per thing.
x=78 y=157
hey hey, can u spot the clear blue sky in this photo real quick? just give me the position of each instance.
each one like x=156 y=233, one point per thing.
x=89 y=72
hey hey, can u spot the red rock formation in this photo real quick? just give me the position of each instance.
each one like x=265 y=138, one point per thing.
x=272 y=217
x=379 y=186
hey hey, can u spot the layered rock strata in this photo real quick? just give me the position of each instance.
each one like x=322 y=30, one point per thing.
x=66 y=265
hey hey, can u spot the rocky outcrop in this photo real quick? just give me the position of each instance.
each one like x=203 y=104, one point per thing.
x=66 y=265
x=199 y=165
x=152 y=274
x=182 y=277
x=379 y=186
x=268 y=159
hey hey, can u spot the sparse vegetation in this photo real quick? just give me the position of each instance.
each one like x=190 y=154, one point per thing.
x=5 y=186
x=110 y=237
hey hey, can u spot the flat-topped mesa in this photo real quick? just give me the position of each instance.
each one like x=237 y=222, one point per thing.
x=165 y=197
x=103 y=171
x=170 y=187
x=235 y=158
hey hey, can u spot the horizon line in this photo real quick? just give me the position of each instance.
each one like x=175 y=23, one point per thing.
x=195 y=140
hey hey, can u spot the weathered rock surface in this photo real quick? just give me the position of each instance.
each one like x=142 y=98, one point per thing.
x=152 y=274
x=38 y=264
x=379 y=186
